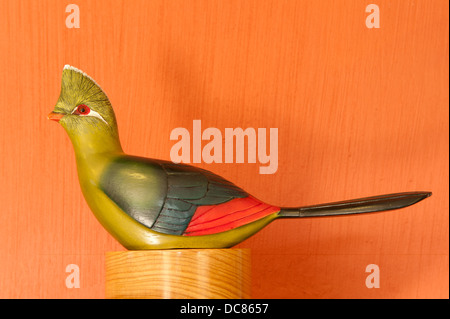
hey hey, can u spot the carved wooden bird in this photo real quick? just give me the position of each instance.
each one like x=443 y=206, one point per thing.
x=154 y=204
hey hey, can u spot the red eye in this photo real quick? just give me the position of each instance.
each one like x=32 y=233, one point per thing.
x=82 y=109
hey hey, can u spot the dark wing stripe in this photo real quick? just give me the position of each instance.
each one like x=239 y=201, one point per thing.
x=221 y=192
x=186 y=180
x=188 y=188
x=175 y=213
x=211 y=200
x=174 y=221
x=187 y=193
x=177 y=204
x=169 y=229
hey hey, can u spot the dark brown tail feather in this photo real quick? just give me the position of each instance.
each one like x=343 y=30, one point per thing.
x=357 y=206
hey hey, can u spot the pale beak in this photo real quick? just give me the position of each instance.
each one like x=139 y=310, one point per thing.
x=55 y=116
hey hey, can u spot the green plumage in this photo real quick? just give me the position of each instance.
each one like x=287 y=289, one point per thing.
x=147 y=204
x=161 y=195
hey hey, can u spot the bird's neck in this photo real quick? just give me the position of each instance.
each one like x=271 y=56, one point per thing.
x=93 y=150
x=95 y=143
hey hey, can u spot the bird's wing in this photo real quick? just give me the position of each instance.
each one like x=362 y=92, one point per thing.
x=137 y=186
x=162 y=195
x=189 y=188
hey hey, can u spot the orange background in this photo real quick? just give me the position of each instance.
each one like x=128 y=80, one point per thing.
x=360 y=112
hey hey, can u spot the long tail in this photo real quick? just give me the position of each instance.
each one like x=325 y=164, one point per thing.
x=357 y=206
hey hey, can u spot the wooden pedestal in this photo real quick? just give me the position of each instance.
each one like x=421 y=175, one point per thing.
x=188 y=273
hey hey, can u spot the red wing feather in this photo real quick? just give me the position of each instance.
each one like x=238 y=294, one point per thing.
x=214 y=219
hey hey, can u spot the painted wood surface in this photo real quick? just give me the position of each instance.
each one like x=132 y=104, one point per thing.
x=359 y=112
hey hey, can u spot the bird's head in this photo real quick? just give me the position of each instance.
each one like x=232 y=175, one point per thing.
x=85 y=112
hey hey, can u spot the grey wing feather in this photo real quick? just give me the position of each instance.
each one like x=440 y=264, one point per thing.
x=162 y=195
x=189 y=187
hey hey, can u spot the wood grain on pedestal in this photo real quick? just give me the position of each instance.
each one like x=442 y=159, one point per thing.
x=189 y=273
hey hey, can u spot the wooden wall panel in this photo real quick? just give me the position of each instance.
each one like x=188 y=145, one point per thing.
x=359 y=112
